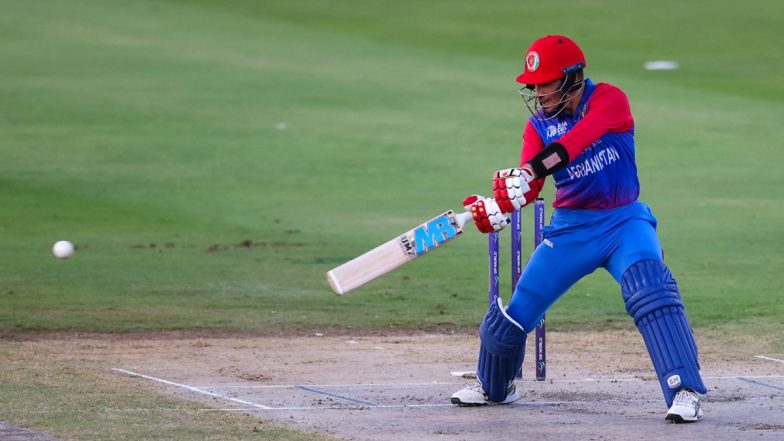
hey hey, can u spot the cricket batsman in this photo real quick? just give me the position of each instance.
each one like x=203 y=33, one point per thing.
x=582 y=134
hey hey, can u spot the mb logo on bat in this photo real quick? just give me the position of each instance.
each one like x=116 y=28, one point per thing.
x=431 y=234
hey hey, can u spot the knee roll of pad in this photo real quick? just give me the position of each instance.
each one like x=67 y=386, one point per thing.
x=653 y=300
x=500 y=352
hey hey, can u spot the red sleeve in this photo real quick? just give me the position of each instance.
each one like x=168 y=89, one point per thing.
x=532 y=144
x=608 y=112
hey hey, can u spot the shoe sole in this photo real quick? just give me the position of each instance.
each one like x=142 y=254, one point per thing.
x=677 y=419
x=462 y=404
x=457 y=401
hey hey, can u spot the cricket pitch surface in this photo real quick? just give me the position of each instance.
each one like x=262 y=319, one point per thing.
x=600 y=386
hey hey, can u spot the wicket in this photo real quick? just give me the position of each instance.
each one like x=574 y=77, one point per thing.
x=493 y=251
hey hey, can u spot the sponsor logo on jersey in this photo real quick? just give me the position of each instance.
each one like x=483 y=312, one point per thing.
x=559 y=129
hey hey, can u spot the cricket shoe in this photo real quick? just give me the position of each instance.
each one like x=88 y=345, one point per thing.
x=685 y=407
x=475 y=396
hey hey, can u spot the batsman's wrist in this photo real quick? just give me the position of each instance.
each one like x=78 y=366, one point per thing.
x=526 y=168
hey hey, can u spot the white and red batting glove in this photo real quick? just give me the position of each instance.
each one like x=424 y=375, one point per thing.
x=509 y=188
x=487 y=215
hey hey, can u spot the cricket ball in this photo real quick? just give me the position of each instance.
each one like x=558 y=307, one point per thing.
x=63 y=249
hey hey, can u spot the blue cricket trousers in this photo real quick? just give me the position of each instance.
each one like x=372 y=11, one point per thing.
x=575 y=244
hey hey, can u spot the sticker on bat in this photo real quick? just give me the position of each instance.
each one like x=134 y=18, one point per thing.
x=431 y=234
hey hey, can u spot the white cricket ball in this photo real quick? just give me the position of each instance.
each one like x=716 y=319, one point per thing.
x=63 y=249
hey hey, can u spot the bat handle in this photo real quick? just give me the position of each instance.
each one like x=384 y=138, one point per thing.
x=464 y=218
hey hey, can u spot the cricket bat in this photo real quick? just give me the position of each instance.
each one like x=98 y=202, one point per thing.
x=404 y=248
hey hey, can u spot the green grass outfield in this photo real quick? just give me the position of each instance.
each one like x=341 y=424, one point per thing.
x=150 y=134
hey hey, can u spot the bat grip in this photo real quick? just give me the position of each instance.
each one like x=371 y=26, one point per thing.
x=464 y=218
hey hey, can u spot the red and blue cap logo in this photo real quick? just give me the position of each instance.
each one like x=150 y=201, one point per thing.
x=532 y=61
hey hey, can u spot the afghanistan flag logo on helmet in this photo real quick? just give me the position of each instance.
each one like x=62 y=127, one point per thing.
x=532 y=61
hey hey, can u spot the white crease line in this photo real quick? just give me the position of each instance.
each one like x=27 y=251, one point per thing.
x=768 y=358
x=436 y=383
x=516 y=404
x=403 y=406
x=382 y=406
x=652 y=379
x=745 y=376
x=394 y=406
x=191 y=388
x=273 y=386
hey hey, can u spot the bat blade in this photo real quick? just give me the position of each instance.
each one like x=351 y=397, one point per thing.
x=396 y=252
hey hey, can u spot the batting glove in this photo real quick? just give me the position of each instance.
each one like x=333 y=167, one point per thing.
x=509 y=188
x=488 y=217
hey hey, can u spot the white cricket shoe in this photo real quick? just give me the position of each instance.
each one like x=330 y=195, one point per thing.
x=685 y=407
x=475 y=396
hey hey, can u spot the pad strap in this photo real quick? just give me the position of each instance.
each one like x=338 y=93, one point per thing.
x=500 y=352
x=653 y=300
